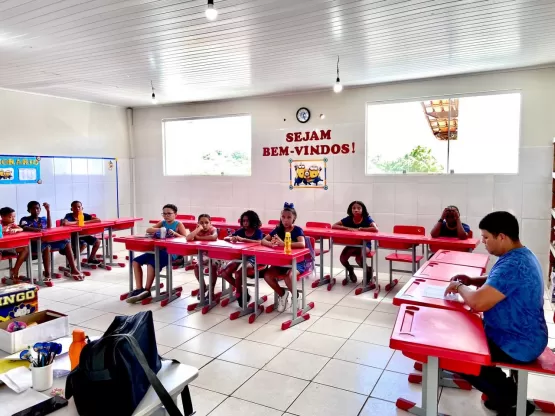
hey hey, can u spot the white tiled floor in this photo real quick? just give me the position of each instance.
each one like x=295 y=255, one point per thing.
x=338 y=363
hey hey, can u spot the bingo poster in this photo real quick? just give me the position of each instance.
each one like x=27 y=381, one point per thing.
x=17 y=170
x=18 y=300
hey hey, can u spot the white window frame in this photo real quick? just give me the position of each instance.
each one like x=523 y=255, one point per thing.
x=431 y=97
x=164 y=120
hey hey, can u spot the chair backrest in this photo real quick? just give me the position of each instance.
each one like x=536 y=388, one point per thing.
x=185 y=217
x=403 y=229
x=310 y=258
x=434 y=248
x=58 y=223
x=218 y=219
x=315 y=224
x=273 y=222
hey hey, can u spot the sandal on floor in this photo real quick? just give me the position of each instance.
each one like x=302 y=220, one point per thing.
x=46 y=277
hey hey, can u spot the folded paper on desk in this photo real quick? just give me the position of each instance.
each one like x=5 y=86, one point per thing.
x=19 y=379
x=438 y=292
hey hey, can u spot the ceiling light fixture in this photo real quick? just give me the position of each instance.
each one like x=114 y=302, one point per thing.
x=337 y=88
x=211 y=12
x=154 y=100
x=322 y=116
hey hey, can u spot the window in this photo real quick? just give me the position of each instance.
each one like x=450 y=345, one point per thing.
x=208 y=146
x=478 y=134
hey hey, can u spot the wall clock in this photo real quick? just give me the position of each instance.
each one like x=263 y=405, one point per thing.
x=303 y=115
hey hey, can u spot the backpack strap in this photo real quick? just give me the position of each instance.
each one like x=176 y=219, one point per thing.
x=160 y=390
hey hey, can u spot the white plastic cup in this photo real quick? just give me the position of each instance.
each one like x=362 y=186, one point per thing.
x=43 y=377
x=163 y=232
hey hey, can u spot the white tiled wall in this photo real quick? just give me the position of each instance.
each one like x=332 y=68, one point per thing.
x=390 y=199
x=65 y=180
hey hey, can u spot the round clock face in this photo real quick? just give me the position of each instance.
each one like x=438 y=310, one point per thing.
x=303 y=115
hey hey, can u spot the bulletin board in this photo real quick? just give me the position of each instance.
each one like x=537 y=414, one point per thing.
x=59 y=180
x=17 y=170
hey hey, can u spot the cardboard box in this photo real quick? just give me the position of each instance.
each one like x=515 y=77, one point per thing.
x=51 y=325
x=18 y=300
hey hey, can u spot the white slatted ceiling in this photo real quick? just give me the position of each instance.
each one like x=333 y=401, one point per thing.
x=109 y=50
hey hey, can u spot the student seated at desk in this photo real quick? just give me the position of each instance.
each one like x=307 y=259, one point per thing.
x=89 y=240
x=173 y=228
x=511 y=298
x=450 y=225
x=10 y=227
x=250 y=231
x=205 y=232
x=276 y=238
x=34 y=223
x=357 y=219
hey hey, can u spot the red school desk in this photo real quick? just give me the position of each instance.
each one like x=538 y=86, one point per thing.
x=429 y=292
x=427 y=335
x=84 y=230
x=342 y=237
x=18 y=240
x=214 y=250
x=275 y=256
x=144 y=245
x=119 y=224
x=461 y=258
x=355 y=238
x=445 y=271
x=422 y=292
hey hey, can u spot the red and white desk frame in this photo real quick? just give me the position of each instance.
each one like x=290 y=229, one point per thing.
x=142 y=244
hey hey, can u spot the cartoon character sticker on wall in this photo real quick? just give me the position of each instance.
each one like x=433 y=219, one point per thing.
x=306 y=174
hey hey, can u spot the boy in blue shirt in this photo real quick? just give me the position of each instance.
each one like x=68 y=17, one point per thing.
x=511 y=298
x=89 y=240
x=35 y=223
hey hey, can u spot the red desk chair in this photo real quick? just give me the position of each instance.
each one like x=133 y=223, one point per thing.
x=185 y=217
x=317 y=253
x=273 y=222
x=399 y=257
x=310 y=270
x=433 y=248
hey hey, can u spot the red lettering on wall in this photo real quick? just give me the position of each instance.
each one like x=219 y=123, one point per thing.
x=335 y=149
x=289 y=137
x=325 y=135
x=265 y=151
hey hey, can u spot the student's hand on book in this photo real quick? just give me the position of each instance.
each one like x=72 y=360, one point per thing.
x=453 y=287
x=234 y=239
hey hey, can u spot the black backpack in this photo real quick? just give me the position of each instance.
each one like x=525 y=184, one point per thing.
x=115 y=371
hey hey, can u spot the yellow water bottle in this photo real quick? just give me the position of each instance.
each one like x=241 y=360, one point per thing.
x=287 y=247
x=80 y=219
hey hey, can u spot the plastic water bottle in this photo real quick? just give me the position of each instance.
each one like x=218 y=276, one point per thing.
x=553 y=286
x=163 y=232
x=1 y=234
x=76 y=347
x=287 y=246
x=81 y=219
